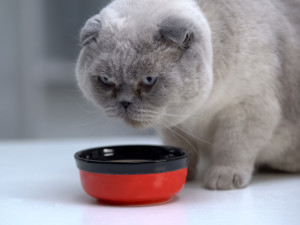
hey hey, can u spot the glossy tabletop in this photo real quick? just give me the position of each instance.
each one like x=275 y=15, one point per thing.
x=40 y=185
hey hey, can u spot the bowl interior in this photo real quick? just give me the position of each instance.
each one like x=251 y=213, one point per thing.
x=131 y=154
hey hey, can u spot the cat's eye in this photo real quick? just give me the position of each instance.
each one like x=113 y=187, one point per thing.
x=149 y=81
x=106 y=80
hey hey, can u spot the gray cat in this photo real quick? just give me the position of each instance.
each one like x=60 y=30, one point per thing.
x=220 y=78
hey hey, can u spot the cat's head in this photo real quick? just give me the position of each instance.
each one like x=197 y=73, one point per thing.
x=147 y=72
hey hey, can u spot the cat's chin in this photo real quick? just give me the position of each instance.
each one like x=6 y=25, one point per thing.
x=137 y=124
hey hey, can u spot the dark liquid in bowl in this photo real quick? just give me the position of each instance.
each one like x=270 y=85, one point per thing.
x=130 y=160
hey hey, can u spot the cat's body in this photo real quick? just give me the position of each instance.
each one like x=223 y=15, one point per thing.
x=227 y=72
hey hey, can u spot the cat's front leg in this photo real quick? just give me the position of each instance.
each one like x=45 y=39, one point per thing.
x=242 y=130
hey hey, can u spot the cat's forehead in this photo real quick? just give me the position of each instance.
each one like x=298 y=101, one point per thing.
x=130 y=56
x=126 y=62
x=130 y=60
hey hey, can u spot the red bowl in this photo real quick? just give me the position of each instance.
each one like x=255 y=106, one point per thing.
x=131 y=175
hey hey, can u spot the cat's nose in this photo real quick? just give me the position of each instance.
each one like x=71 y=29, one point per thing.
x=125 y=104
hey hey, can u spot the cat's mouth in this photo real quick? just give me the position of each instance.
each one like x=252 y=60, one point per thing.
x=136 y=119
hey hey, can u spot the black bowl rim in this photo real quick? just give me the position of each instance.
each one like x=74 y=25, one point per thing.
x=132 y=168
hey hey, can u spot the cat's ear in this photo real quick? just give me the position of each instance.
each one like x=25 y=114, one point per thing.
x=176 y=30
x=90 y=31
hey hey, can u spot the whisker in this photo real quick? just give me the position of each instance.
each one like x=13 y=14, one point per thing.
x=181 y=116
x=158 y=130
x=112 y=114
x=82 y=107
x=143 y=120
x=190 y=134
x=190 y=144
x=88 y=121
x=109 y=109
x=147 y=112
x=141 y=116
x=173 y=115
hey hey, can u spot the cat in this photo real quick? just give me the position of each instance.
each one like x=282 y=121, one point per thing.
x=219 y=78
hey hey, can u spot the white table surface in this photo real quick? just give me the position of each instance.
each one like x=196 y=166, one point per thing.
x=40 y=185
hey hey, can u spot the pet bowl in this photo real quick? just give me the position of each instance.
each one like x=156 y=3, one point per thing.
x=132 y=175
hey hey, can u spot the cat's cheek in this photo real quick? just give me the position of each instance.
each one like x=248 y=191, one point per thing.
x=158 y=97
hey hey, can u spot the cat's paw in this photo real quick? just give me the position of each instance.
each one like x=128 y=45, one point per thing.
x=226 y=178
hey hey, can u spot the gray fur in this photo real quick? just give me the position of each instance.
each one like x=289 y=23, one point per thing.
x=90 y=32
x=177 y=31
x=228 y=79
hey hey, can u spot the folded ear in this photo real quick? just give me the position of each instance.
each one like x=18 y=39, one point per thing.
x=176 y=30
x=90 y=31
